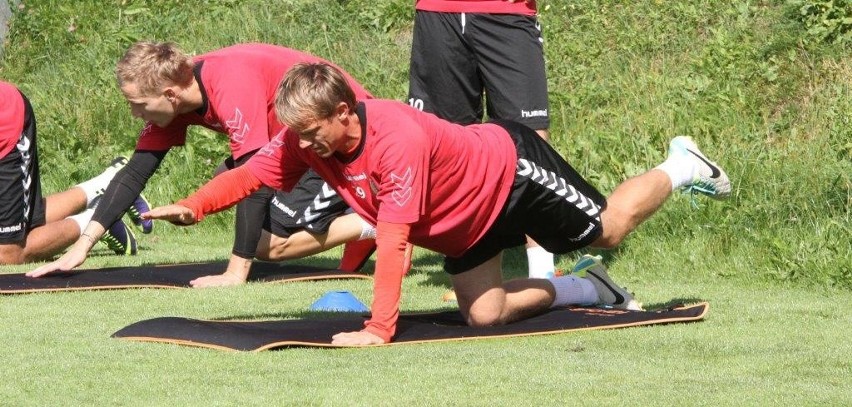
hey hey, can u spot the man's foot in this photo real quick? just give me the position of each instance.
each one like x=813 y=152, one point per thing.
x=120 y=239
x=116 y=164
x=708 y=178
x=109 y=172
x=591 y=268
x=140 y=205
x=102 y=180
x=356 y=254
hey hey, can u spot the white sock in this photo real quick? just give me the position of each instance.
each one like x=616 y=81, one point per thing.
x=368 y=231
x=83 y=218
x=679 y=169
x=540 y=262
x=96 y=186
x=573 y=290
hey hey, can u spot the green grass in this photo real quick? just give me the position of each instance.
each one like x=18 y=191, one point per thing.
x=760 y=344
x=765 y=91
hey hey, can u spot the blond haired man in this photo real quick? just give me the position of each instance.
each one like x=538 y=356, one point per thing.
x=229 y=91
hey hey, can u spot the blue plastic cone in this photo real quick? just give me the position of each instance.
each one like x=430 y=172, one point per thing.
x=339 y=301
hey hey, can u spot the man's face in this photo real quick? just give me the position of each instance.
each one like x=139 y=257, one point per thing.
x=158 y=108
x=324 y=136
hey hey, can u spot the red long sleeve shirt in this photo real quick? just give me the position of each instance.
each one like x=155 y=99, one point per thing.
x=420 y=179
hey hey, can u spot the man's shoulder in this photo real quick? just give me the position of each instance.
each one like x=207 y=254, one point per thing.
x=386 y=113
x=248 y=54
x=382 y=105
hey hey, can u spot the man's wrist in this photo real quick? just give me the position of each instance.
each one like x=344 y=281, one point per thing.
x=89 y=237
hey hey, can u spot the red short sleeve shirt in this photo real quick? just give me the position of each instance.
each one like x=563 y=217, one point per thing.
x=239 y=83
x=449 y=182
x=478 y=6
x=11 y=117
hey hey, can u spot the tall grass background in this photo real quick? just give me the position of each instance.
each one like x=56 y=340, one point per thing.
x=762 y=89
x=765 y=87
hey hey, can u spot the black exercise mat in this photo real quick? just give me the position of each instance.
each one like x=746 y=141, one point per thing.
x=162 y=276
x=412 y=328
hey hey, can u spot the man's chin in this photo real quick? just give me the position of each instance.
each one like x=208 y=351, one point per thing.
x=161 y=123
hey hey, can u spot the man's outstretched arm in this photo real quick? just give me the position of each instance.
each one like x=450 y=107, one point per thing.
x=220 y=193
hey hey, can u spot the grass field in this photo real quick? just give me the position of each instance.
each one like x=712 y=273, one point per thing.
x=765 y=87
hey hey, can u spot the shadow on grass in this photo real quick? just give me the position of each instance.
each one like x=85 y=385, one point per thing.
x=675 y=302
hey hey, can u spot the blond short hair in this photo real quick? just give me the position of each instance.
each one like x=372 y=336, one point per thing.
x=152 y=65
x=311 y=92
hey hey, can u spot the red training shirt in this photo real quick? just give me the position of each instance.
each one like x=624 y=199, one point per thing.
x=11 y=117
x=444 y=182
x=238 y=84
x=477 y=6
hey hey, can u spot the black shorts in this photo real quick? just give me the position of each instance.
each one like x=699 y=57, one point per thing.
x=549 y=201
x=311 y=206
x=456 y=57
x=22 y=207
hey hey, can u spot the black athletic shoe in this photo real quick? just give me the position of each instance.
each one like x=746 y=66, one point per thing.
x=120 y=239
x=140 y=205
x=591 y=268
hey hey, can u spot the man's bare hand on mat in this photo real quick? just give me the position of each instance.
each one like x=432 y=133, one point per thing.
x=359 y=338
x=218 y=280
x=236 y=274
x=68 y=261
x=76 y=255
x=177 y=214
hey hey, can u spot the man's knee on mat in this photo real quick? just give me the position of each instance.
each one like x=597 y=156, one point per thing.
x=12 y=253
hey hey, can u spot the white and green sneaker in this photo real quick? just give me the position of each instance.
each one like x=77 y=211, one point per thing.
x=591 y=268
x=708 y=179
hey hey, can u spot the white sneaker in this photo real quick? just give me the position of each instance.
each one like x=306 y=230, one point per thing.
x=709 y=179
x=591 y=268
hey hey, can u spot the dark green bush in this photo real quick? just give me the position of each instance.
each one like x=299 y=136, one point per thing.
x=825 y=20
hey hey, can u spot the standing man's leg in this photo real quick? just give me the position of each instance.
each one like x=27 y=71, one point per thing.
x=510 y=52
x=444 y=80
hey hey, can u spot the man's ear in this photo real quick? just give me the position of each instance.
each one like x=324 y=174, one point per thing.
x=170 y=94
x=341 y=111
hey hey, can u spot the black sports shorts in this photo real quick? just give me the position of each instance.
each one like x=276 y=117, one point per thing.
x=549 y=201
x=311 y=206
x=456 y=57
x=21 y=204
